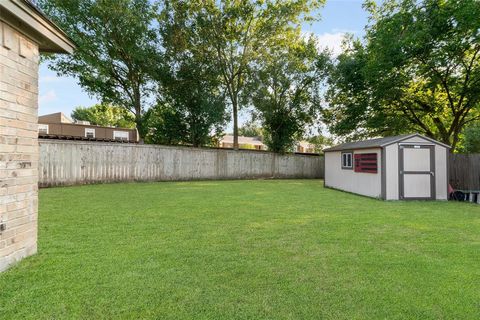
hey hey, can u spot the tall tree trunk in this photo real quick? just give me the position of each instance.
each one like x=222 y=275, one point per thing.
x=455 y=138
x=235 y=123
x=139 y=125
x=138 y=115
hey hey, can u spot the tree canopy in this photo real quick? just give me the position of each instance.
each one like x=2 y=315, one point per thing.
x=116 y=49
x=320 y=142
x=471 y=138
x=250 y=129
x=180 y=67
x=286 y=90
x=236 y=33
x=191 y=106
x=105 y=115
x=418 y=69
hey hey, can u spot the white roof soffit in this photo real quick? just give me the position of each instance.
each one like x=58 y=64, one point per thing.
x=25 y=16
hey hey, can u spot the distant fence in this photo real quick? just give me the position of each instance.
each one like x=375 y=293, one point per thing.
x=77 y=162
x=465 y=171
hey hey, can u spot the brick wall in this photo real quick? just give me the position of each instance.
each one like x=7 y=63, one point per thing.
x=18 y=146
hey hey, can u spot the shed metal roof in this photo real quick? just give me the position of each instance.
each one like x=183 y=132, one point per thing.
x=379 y=142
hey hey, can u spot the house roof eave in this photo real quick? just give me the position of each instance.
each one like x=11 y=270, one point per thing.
x=26 y=17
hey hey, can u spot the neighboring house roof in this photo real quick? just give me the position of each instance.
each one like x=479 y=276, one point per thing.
x=378 y=143
x=61 y=118
x=255 y=141
x=305 y=144
x=24 y=15
x=57 y=117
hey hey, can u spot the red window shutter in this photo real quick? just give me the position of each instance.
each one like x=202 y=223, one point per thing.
x=365 y=162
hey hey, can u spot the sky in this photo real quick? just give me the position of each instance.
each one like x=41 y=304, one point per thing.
x=337 y=18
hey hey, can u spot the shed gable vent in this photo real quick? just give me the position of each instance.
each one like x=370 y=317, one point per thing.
x=366 y=162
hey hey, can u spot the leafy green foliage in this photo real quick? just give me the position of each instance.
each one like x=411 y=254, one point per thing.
x=191 y=105
x=320 y=142
x=197 y=56
x=236 y=33
x=419 y=70
x=116 y=49
x=165 y=126
x=196 y=122
x=352 y=113
x=105 y=115
x=285 y=90
x=250 y=129
x=471 y=142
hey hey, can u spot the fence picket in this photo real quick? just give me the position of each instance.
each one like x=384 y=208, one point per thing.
x=464 y=171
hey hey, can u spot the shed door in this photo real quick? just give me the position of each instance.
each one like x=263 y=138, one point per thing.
x=417 y=172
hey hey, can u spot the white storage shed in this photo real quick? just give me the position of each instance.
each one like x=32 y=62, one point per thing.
x=406 y=167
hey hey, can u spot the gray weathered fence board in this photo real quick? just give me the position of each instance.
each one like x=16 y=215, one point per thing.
x=465 y=171
x=77 y=162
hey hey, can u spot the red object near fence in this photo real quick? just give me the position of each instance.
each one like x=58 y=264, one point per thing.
x=365 y=162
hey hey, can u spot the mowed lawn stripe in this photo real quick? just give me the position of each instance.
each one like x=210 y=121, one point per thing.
x=265 y=249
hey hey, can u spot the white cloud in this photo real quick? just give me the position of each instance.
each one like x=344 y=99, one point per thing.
x=49 y=96
x=331 y=41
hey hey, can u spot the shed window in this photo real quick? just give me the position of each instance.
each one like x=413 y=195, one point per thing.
x=347 y=160
x=43 y=128
x=366 y=162
x=120 y=135
x=89 y=133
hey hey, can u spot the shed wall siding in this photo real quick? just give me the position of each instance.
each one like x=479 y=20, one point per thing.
x=367 y=184
x=363 y=184
x=391 y=153
x=441 y=163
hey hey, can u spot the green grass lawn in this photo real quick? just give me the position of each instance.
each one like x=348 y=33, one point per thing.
x=246 y=250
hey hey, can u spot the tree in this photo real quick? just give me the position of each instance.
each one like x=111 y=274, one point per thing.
x=237 y=32
x=320 y=142
x=472 y=139
x=191 y=111
x=418 y=69
x=250 y=129
x=105 y=115
x=191 y=106
x=116 y=49
x=165 y=126
x=286 y=91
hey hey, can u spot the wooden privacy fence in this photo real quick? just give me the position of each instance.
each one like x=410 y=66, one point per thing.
x=79 y=162
x=465 y=171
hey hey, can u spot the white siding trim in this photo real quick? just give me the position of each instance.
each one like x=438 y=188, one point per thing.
x=43 y=127
x=122 y=135
x=89 y=130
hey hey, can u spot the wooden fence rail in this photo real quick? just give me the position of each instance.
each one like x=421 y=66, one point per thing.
x=80 y=162
x=465 y=171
